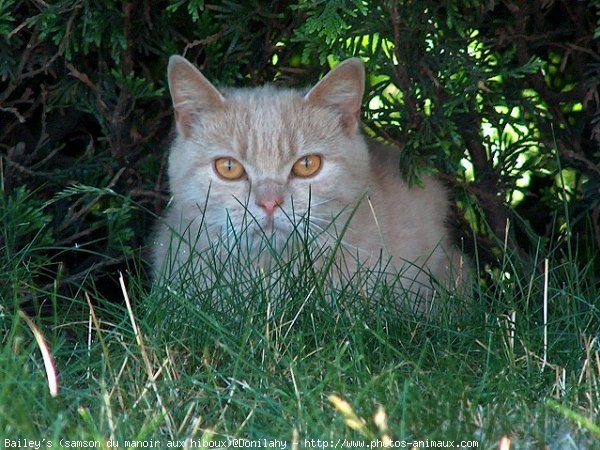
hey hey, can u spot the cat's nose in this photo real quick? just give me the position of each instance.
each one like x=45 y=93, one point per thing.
x=269 y=205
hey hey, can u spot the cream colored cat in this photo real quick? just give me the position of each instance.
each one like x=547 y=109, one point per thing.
x=263 y=164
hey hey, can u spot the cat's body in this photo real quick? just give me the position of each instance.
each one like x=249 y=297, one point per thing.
x=263 y=161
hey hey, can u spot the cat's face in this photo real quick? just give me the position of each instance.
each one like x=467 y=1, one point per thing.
x=264 y=159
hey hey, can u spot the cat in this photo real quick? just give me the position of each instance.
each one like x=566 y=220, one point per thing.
x=261 y=162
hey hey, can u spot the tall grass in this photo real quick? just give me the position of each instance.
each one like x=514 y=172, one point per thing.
x=278 y=360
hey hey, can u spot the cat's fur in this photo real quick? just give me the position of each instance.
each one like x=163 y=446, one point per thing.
x=268 y=129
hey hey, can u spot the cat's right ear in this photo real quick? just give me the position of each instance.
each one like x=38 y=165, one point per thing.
x=191 y=93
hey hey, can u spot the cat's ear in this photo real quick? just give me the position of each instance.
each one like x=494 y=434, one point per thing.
x=342 y=89
x=191 y=93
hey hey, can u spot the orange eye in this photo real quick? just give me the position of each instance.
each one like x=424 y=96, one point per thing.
x=229 y=168
x=307 y=166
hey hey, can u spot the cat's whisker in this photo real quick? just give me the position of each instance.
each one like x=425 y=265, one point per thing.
x=335 y=238
x=322 y=202
x=330 y=223
x=321 y=219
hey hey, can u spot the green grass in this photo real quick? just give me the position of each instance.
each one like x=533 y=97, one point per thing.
x=278 y=359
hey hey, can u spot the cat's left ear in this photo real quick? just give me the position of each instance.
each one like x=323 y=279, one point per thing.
x=342 y=89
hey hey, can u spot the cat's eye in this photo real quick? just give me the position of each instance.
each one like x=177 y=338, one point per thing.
x=229 y=168
x=307 y=166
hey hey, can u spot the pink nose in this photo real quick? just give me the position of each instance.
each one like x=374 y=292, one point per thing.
x=270 y=205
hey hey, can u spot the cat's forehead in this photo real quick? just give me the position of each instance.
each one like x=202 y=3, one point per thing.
x=273 y=126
